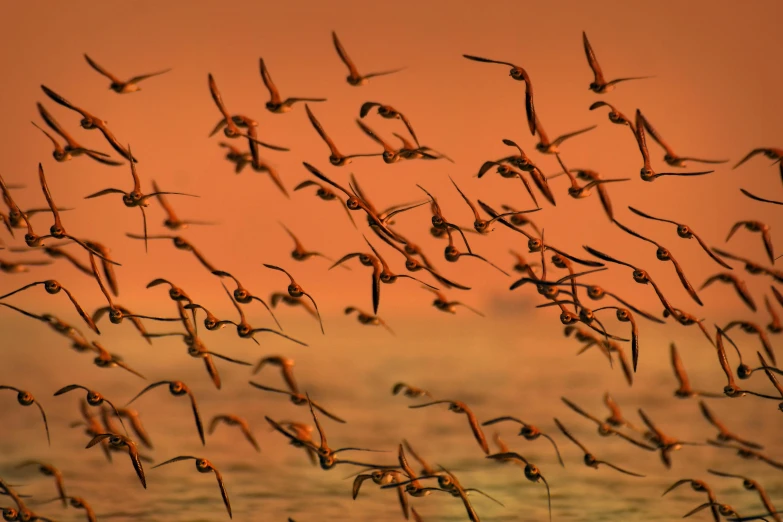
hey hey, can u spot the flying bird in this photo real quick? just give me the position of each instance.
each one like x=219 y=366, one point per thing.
x=354 y=77
x=599 y=85
x=119 y=86
x=519 y=74
x=276 y=103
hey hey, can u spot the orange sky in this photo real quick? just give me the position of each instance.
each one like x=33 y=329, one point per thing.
x=714 y=95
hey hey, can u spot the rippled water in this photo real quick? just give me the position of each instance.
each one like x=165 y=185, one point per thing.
x=499 y=367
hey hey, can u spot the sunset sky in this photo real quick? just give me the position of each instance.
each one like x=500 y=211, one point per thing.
x=713 y=95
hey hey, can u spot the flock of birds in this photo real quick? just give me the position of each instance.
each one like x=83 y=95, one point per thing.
x=411 y=475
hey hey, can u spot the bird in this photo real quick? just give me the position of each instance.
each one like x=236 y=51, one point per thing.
x=300 y=253
x=606 y=428
x=759 y=198
x=752 y=328
x=390 y=154
x=279 y=297
x=665 y=443
x=354 y=201
x=53 y=287
x=276 y=104
x=547 y=146
x=528 y=431
x=72 y=148
x=325 y=194
x=751 y=485
x=286 y=366
x=382 y=477
x=625 y=316
x=616 y=419
x=748 y=454
x=410 y=391
x=21 y=266
x=462 y=408
x=671 y=158
x=724 y=435
x=772 y=379
x=640 y=276
x=177 y=389
x=119 y=86
x=731 y=389
x=739 y=286
x=615 y=116
x=135 y=198
x=523 y=162
x=298 y=399
x=244 y=329
x=532 y=472
x=751 y=266
x=50 y=471
x=597 y=293
x=599 y=85
x=94 y=398
x=106 y=264
x=520 y=74
x=592 y=179
x=80 y=503
x=242 y=295
x=138 y=428
x=388 y=112
x=447 y=483
x=120 y=441
x=452 y=254
x=482 y=225
x=685 y=232
x=755 y=226
x=773 y=153
x=700 y=487
x=589 y=459
x=57 y=252
x=233 y=123
x=25 y=398
x=326 y=455
x=577 y=192
x=204 y=466
x=175 y=293
x=57 y=230
x=116 y=312
x=296 y=291
x=684 y=390
x=775 y=325
x=234 y=420
x=506 y=171
x=354 y=78
x=664 y=254
x=172 y=222
x=180 y=243
x=368 y=319
x=239 y=158
x=647 y=173
x=90 y=122
x=335 y=157
x=442 y=303
x=106 y=359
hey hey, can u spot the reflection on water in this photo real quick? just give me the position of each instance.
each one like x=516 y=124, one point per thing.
x=499 y=367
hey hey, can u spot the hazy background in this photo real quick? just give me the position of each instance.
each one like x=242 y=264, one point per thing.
x=715 y=95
